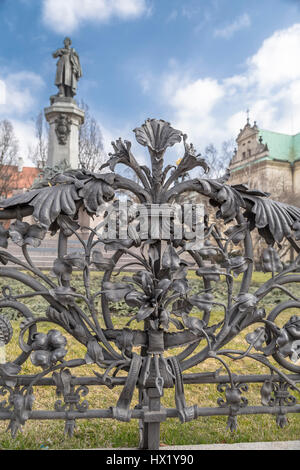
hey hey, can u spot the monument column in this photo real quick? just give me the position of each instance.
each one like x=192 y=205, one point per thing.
x=64 y=118
x=63 y=115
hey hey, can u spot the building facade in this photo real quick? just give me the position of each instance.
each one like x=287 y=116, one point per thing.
x=267 y=160
x=16 y=178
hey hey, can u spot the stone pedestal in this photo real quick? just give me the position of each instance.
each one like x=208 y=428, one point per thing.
x=64 y=118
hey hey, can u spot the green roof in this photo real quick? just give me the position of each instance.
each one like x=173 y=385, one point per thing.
x=281 y=146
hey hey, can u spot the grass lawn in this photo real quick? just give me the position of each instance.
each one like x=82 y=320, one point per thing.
x=110 y=433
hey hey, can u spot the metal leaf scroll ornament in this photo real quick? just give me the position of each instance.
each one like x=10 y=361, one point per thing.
x=62 y=196
x=288 y=341
x=48 y=348
x=173 y=321
x=6 y=331
x=157 y=135
x=271 y=261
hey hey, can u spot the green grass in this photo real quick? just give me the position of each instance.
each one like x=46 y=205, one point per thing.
x=112 y=434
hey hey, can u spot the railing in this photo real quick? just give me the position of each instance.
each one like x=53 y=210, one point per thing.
x=169 y=339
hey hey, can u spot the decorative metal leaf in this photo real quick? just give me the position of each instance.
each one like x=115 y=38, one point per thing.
x=63 y=294
x=6 y=331
x=94 y=352
x=164 y=320
x=210 y=273
x=181 y=306
x=122 y=154
x=296 y=228
x=208 y=249
x=257 y=338
x=266 y=392
x=157 y=135
x=276 y=218
x=101 y=262
x=193 y=323
x=50 y=202
x=190 y=160
x=203 y=302
x=68 y=225
x=115 y=292
x=247 y=302
x=230 y=202
x=177 y=323
x=3 y=236
x=271 y=261
x=97 y=192
x=236 y=233
x=134 y=298
x=76 y=259
x=62 y=318
x=62 y=269
x=144 y=312
x=9 y=369
x=19 y=199
x=237 y=264
x=181 y=286
x=170 y=259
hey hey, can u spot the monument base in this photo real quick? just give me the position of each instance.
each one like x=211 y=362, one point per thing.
x=64 y=118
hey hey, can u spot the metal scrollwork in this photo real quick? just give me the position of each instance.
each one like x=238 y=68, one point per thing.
x=170 y=337
x=71 y=395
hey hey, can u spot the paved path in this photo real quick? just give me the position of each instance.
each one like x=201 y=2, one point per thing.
x=287 y=445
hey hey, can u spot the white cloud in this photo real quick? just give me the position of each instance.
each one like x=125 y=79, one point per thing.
x=212 y=110
x=242 y=22
x=205 y=91
x=66 y=16
x=18 y=92
x=19 y=97
x=277 y=61
x=25 y=133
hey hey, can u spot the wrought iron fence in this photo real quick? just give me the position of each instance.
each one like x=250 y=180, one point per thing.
x=157 y=293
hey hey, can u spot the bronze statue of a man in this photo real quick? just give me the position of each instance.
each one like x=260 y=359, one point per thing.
x=68 y=70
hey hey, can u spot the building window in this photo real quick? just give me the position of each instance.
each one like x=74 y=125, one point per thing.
x=249 y=153
x=244 y=155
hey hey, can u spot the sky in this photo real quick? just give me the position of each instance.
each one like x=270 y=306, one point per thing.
x=198 y=64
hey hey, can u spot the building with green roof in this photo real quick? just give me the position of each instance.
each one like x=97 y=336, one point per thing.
x=267 y=160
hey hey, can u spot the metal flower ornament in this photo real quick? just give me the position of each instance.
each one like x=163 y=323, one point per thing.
x=171 y=328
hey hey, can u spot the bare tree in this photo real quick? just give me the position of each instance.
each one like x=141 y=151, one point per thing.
x=39 y=153
x=91 y=150
x=219 y=161
x=9 y=149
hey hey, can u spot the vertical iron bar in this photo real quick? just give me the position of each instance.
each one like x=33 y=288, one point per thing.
x=152 y=430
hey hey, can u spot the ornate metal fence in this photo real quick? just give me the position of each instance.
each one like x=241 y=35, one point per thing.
x=158 y=294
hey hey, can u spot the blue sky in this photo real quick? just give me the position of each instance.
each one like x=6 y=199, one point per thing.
x=198 y=64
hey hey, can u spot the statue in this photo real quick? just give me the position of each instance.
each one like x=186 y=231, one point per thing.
x=68 y=70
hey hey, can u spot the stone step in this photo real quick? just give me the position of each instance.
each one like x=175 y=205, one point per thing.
x=44 y=256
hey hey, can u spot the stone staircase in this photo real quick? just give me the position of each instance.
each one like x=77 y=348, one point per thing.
x=44 y=256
